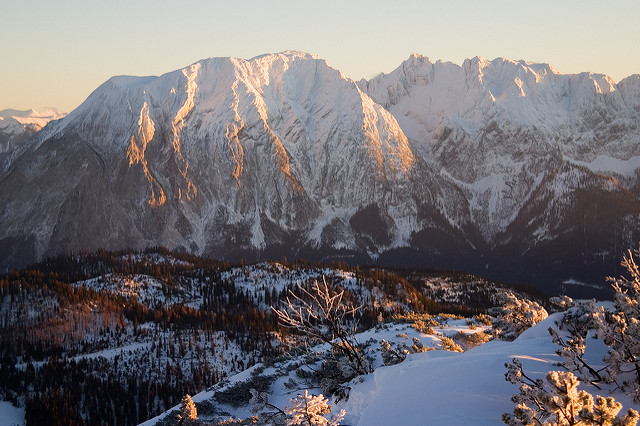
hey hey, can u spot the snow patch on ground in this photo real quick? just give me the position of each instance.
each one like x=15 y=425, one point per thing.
x=10 y=415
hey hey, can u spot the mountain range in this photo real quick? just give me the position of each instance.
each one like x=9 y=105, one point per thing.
x=506 y=168
x=17 y=126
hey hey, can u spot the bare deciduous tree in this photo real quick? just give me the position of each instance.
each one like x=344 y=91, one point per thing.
x=323 y=315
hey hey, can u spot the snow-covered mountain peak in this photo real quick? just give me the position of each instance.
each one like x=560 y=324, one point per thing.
x=416 y=59
x=603 y=84
x=633 y=81
x=283 y=151
x=531 y=95
x=124 y=82
x=289 y=54
x=485 y=120
x=273 y=142
x=476 y=62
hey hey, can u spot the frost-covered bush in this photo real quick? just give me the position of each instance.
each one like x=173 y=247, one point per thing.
x=559 y=402
x=188 y=412
x=310 y=410
x=620 y=329
x=579 y=315
x=573 y=328
x=448 y=344
x=417 y=346
x=188 y=409
x=515 y=316
x=444 y=316
x=391 y=356
x=423 y=323
x=483 y=319
x=187 y=416
x=471 y=340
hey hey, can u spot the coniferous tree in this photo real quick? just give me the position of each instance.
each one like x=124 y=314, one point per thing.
x=188 y=412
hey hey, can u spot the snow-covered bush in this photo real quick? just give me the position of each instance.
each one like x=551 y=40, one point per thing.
x=579 y=315
x=483 y=319
x=323 y=315
x=422 y=322
x=240 y=393
x=334 y=373
x=417 y=346
x=561 y=403
x=389 y=355
x=515 y=316
x=310 y=410
x=620 y=329
x=392 y=356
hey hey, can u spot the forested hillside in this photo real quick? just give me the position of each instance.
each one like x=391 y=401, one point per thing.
x=118 y=337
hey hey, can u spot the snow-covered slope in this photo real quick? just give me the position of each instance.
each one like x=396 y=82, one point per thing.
x=433 y=164
x=435 y=387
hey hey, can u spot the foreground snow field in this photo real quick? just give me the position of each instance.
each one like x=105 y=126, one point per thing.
x=436 y=387
x=448 y=388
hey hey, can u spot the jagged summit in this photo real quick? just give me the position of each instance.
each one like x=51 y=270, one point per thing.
x=432 y=164
x=290 y=54
x=479 y=91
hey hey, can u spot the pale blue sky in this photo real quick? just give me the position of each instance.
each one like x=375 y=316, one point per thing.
x=55 y=53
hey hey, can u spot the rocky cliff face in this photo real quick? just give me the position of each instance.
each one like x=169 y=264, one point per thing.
x=487 y=166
